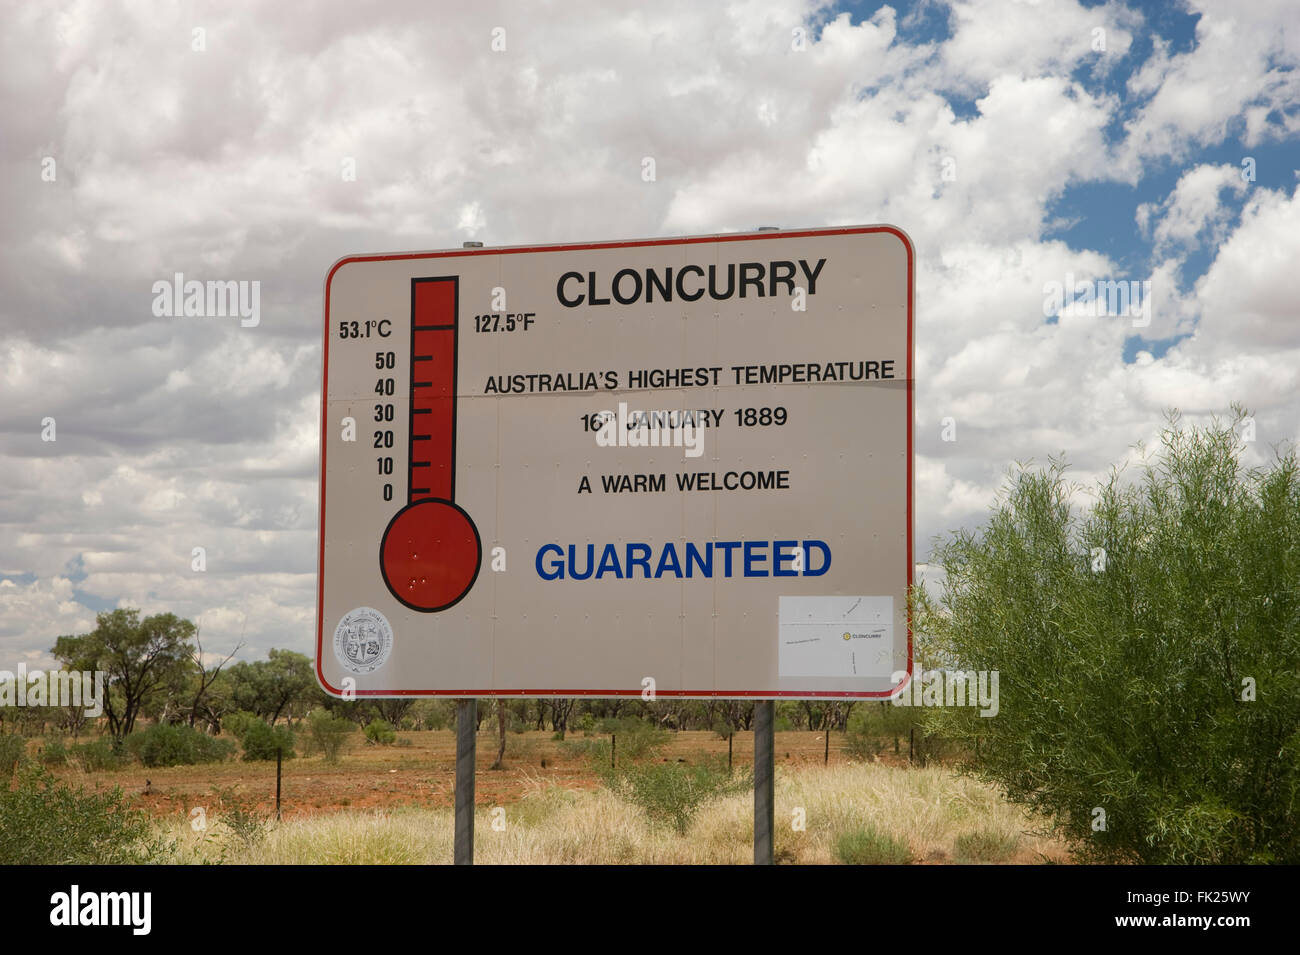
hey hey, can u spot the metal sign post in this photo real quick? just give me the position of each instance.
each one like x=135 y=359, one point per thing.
x=466 y=745
x=764 y=781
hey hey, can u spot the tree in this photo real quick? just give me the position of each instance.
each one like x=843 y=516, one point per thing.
x=205 y=676
x=560 y=710
x=138 y=656
x=393 y=711
x=261 y=741
x=73 y=719
x=1147 y=652
x=269 y=687
x=364 y=712
x=328 y=734
x=217 y=702
x=503 y=718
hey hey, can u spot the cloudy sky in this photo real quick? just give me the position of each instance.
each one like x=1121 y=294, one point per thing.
x=1018 y=142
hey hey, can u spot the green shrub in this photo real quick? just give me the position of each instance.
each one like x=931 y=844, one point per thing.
x=328 y=734
x=636 y=738
x=98 y=754
x=1148 y=640
x=262 y=741
x=432 y=714
x=12 y=749
x=54 y=753
x=237 y=723
x=985 y=845
x=672 y=793
x=380 y=733
x=245 y=821
x=867 y=845
x=177 y=745
x=47 y=822
x=595 y=750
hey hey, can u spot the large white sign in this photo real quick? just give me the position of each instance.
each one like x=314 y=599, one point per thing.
x=672 y=466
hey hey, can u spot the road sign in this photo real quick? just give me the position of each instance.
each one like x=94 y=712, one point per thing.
x=672 y=466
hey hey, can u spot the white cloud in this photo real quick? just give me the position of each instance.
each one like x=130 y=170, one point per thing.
x=33 y=616
x=1248 y=296
x=1243 y=64
x=1025 y=38
x=1195 y=212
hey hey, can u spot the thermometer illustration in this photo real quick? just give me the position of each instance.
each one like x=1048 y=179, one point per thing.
x=431 y=552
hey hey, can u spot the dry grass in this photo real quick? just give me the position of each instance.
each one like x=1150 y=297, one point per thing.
x=929 y=809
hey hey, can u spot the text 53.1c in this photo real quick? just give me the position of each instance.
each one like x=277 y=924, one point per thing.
x=378 y=328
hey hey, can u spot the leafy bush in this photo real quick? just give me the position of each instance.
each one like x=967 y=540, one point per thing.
x=672 y=793
x=98 y=754
x=237 y=723
x=595 y=750
x=985 y=845
x=50 y=823
x=1148 y=650
x=380 y=733
x=262 y=741
x=867 y=845
x=636 y=738
x=432 y=714
x=328 y=734
x=246 y=823
x=177 y=745
x=54 y=753
x=12 y=748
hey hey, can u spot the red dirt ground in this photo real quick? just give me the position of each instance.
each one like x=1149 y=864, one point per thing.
x=418 y=772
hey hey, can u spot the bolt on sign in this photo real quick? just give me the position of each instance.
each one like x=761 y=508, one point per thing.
x=587 y=470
